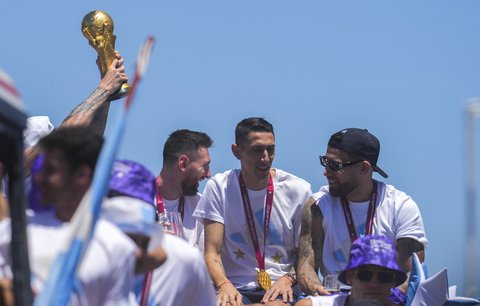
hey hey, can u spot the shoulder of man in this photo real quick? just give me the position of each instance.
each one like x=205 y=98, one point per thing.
x=390 y=193
x=112 y=238
x=322 y=194
x=222 y=178
x=286 y=177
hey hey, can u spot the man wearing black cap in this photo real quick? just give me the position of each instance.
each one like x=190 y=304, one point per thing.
x=353 y=204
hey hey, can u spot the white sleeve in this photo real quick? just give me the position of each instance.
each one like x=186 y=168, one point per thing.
x=5 y=259
x=210 y=206
x=409 y=221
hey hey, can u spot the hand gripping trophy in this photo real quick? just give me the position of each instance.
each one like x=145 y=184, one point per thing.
x=97 y=27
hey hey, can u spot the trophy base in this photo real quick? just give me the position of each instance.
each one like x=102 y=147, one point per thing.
x=122 y=92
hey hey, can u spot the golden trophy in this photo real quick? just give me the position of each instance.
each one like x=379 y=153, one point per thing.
x=97 y=27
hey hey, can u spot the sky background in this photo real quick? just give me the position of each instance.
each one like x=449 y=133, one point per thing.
x=402 y=69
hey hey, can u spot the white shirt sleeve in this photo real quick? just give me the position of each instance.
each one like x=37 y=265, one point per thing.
x=211 y=205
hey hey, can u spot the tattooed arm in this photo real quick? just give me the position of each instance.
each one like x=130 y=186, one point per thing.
x=94 y=110
x=214 y=235
x=405 y=247
x=310 y=249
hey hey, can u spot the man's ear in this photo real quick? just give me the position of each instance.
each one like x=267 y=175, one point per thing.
x=235 y=151
x=182 y=162
x=365 y=168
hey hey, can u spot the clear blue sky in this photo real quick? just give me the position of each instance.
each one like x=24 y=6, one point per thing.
x=402 y=69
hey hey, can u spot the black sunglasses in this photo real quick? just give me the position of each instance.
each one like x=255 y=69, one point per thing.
x=384 y=277
x=335 y=166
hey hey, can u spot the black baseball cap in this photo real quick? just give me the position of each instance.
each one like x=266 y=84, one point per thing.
x=359 y=143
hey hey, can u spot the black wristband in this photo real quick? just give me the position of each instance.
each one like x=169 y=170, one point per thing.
x=293 y=278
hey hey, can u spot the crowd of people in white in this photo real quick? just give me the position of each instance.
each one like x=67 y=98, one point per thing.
x=257 y=235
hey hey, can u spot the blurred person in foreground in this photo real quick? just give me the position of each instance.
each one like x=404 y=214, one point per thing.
x=106 y=273
x=351 y=205
x=93 y=111
x=183 y=278
x=372 y=271
x=252 y=222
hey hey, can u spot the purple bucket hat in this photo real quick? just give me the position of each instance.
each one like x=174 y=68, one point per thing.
x=373 y=250
x=133 y=179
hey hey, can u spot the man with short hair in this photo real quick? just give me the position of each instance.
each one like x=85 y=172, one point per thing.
x=186 y=162
x=351 y=205
x=372 y=271
x=106 y=272
x=252 y=222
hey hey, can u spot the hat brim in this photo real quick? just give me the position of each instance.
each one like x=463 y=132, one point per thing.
x=400 y=276
x=380 y=171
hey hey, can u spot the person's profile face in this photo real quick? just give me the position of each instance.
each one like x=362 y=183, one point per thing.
x=55 y=180
x=345 y=180
x=197 y=169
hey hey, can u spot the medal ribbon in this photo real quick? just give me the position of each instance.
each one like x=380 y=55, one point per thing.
x=372 y=205
x=161 y=203
x=251 y=223
x=147 y=282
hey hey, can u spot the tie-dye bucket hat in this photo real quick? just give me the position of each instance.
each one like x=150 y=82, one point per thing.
x=373 y=250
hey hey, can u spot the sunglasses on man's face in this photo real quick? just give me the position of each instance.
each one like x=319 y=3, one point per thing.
x=336 y=166
x=384 y=277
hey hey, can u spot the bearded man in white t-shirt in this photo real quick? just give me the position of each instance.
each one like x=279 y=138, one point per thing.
x=186 y=162
x=252 y=222
x=353 y=204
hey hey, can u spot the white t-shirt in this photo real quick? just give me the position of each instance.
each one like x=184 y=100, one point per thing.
x=5 y=257
x=222 y=202
x=183 y=279
x=328 y=300
x=106 y=273
x=193 y=230
x=397 y=216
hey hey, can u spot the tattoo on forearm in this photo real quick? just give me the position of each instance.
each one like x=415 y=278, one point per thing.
x=405 y=248
x=84 y=112
x=316 y=211
x=309 y=255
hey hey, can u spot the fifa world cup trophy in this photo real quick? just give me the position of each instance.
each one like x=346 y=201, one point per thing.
x=97 y=27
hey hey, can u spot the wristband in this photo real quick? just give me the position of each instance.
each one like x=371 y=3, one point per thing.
x=225 y=282
x=291 y=277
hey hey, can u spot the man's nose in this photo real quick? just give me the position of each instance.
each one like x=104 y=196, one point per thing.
x=266 y=156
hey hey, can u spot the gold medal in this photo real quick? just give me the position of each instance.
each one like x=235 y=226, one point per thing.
x=264 y=280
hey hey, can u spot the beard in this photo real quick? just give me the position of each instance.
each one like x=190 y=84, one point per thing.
x=342 y=189
x=190 y=188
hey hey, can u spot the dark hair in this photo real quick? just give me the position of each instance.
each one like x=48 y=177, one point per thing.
x=253 y=124
x=80 y=145
x=184 y=142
